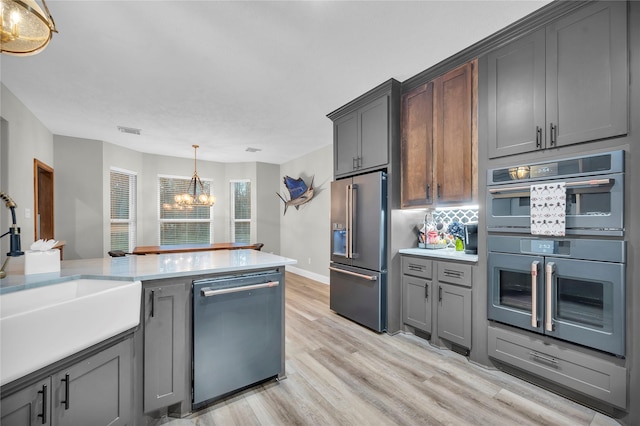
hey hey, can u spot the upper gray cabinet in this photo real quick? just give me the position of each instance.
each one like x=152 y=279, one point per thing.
x=563 y=84
x=362 y=131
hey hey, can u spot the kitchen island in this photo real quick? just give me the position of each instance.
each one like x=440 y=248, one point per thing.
x=157 y=355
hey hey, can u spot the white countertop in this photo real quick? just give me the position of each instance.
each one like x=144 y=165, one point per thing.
x=148 y=267
x=447 y=253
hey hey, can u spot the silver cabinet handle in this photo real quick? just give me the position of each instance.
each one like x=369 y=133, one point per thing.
x=543 y=357
x=355 y=274
x=534 y=294
x=207 y=292
x=548 y=324
x=354 y=225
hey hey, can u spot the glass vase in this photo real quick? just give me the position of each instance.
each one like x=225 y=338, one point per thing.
x=459 y=244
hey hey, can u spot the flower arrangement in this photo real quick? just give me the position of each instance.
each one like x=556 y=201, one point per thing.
x=456 y=229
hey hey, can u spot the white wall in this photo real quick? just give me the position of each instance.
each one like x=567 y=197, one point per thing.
x=305 y=233
x=26 y=138
x=267 y=210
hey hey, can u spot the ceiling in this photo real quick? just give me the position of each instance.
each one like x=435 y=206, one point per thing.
x=232 y=75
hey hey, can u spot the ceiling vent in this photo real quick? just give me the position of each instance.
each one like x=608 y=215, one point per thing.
x=130 y=130
x=253 y=149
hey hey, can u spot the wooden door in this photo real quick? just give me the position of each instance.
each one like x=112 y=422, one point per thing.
x=43 y=200
x=452 y=133
x=374 y=134
x=417 y=147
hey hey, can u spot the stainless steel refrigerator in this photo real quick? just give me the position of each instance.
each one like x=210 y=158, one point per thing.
x=358 y=270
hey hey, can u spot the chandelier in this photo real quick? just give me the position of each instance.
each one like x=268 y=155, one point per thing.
x=196 y=194
x=26 y=29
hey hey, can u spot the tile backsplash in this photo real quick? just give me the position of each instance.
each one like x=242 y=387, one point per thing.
x=461 y=215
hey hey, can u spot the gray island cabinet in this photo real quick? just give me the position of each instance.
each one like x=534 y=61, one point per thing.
x=94 y=390
x=144 y=373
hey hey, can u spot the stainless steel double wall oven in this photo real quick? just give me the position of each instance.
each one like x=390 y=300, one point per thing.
x=567 y=288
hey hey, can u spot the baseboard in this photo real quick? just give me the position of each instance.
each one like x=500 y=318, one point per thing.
x=307 y=274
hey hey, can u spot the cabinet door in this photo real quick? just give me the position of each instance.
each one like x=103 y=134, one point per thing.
x=345 y=150
x=417 y=302
x=28 y=407
x=516 y=96
x=374 y=134
x=165 y=351
x=417 y=146
x=452 y=130
x=587 y=78
x=96 y=391
x=454 y=314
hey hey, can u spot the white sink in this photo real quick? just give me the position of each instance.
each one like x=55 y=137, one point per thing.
x=46 y=324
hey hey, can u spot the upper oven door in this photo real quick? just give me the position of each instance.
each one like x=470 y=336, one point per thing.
x=595 y=206
x=585 y=303
x=515 y=290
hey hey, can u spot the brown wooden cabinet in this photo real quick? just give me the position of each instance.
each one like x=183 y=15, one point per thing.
x=417 y=146
x=439 y=140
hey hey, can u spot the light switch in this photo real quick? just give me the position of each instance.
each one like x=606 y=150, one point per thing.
x=27 y=213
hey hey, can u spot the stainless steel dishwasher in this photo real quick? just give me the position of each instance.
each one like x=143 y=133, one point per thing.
x=237 y=333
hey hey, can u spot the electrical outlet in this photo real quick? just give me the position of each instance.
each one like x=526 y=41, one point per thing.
x=27 y=213
x=309 y=260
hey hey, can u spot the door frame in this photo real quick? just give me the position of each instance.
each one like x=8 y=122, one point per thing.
x=43 y=191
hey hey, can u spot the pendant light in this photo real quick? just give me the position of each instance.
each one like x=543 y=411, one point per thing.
x=26 y=29
x=196 y=194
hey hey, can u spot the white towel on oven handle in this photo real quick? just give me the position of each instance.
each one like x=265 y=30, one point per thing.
x=548 y=206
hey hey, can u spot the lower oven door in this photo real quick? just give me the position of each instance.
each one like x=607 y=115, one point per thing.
x=585 y=303
x=515 y=290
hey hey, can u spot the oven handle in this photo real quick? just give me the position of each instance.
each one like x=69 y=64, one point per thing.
x=207 y=292
x=534 y=294
x=548 y=325
x=591 y=182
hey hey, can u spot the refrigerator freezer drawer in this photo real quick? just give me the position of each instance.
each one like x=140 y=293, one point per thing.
x=359 y=295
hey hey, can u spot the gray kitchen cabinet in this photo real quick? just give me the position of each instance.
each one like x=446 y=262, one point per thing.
x=94 y=391
x=362 y=131
x=454 y=314
x=28 y=407
x=361 y=138
x=563 y=84
x=165 y=344
x=454 y=303
x=417 y=287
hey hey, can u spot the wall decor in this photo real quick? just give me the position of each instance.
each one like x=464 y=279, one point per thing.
x=299 y=192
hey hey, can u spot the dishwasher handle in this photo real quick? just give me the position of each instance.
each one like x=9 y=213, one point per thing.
x=208 y=292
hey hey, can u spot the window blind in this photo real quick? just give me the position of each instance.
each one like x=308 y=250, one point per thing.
x=241 y=211
x=123 y=210
x=180 y=224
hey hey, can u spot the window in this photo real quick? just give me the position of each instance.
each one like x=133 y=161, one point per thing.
x=178 y=224
x=123 y=210
x=240 y=211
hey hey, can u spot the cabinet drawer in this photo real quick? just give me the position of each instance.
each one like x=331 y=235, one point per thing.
x=416 y=266
x=583 y=373
x=454 y=273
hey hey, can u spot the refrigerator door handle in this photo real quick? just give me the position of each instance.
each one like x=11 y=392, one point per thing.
x=355 y=274
x=348 y=222
x=353 y=228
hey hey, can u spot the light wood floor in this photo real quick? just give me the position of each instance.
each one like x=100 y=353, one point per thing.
x=339 y=373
